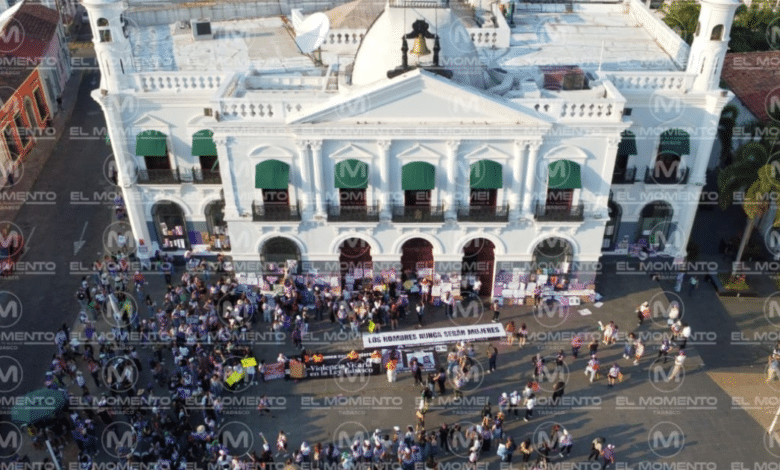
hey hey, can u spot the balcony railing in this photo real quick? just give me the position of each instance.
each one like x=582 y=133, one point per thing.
x=657 y=176
x=170 y=176
x=339 y=213
x=275 y=213
x=467 y=213
x=545 y=213
x=418 y=214
x=201 y=176
x=627 y=176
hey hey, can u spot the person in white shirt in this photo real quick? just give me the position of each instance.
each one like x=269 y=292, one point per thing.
x=529 y=407
x=678 y=365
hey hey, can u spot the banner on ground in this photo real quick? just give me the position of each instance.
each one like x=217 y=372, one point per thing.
x=433 y=336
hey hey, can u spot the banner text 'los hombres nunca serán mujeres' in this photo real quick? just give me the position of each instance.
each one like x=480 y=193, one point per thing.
x=433 y=336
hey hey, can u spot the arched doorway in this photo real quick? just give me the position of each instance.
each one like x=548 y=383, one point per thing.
x=552 y=256
x=171 y=226
x=355 y=262
x=611 y=229
x=416 y=258
x=217 y=227
x=279 y=250
x=478 y=262
x=655 y=223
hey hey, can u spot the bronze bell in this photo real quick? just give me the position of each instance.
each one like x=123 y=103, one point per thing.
x=420 y=48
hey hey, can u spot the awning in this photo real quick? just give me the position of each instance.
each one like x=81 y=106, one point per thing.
x=564 y=174
x=627 y=144
x=486 y=174
x=203 y=143
x=675 y=141
x=418 y=176
x=351 y=174
x=151 y=144
x=272 y=174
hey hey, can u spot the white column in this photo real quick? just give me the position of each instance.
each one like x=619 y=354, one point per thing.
x=697 y=164
x=303 y=163
x=610 y=154
x=384 y=196
x=319 y=183
x=229 y=185
x=126 y=172
x=452 y=179
x=516 y=194
x=530 y=168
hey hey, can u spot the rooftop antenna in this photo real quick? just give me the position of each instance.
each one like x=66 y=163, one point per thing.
x=601 y=55
x=311 y=33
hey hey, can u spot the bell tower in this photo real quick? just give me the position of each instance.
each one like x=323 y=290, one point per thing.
x=112 y=49
x=710 y=42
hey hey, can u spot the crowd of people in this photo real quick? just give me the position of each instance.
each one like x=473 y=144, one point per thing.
x=196 y=338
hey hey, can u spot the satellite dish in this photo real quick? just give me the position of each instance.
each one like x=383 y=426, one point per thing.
x=312 y=32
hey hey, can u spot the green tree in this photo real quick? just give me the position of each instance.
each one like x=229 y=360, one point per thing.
x=682 y=16
x=754 y=176
x=751 y=24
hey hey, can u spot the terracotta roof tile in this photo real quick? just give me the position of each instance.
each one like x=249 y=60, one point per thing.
x=751 y=76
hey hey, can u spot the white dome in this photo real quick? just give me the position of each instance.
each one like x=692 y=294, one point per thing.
x=380 y=50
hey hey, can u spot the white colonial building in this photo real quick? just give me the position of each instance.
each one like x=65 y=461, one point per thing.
x=496 y=140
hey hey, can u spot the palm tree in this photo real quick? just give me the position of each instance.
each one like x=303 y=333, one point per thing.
x=755 y=175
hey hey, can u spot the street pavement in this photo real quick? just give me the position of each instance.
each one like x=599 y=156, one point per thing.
x=715 y=417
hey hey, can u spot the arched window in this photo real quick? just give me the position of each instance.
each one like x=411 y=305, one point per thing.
x=171 y=228
x=717 y=33
x=102 y=22
x=655 y=223
x=611 y=229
